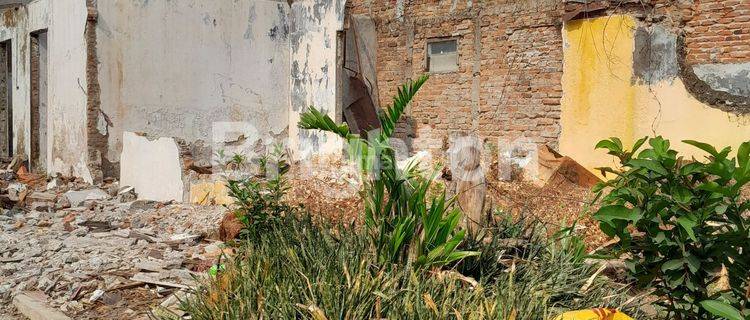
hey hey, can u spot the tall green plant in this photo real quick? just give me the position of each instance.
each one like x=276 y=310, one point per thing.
x=258 y=199
x=404 y=223
x=680 y=222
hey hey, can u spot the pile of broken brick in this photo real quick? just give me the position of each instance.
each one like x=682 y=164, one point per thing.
x=68 y=247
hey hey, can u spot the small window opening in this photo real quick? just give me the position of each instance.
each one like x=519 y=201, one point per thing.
x=442 y=56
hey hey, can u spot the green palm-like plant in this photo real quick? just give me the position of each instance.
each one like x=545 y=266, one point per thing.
x=404 y=223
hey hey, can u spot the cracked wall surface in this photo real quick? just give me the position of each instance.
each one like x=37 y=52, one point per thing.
x=175 y=68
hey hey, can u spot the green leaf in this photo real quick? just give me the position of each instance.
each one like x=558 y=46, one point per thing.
x=610 y=145
x=617 y=212
x=694 y=264
x=688 y=223
x=660 y=145
x=703 y=146
x=649 y=165
x=682 y=194
x=391 y=115
x=314 y=119
x=639 y=143
x=743 y=160
x=691 y=168
x=721 y=309
x=674 y=264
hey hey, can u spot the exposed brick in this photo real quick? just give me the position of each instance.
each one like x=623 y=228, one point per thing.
x=711 y=34
x=520 y=66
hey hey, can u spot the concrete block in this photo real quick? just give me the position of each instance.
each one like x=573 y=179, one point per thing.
x=152 y=167
x=76 y=198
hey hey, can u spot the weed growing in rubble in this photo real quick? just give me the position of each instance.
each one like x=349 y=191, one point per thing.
x=304 y=270
x=258 y=199
x=680 y=222
x=405 y=224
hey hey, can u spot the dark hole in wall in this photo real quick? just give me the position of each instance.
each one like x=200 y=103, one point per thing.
x=6 y=101
x=38 y=103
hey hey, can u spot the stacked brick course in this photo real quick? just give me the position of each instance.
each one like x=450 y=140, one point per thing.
x=719 y=32
x=510 y=66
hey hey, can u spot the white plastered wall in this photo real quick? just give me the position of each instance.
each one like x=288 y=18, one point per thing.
x=65 y=21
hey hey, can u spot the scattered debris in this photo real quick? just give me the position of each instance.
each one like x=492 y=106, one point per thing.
x=92 y=250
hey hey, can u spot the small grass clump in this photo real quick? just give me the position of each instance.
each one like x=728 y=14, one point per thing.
x=299 y=269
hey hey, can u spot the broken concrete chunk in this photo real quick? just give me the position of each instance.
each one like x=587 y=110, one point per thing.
x=54 y=183
x=151 y=265
x=35 y=308
x=183 y=238
x=76 y=198
x=143 y=205
x=98 y=293
x=126 y=194
x=8 y=175
x=16 y=191
x=62 y=203
x=43 y=197
x=156 y=280
x=153 y=167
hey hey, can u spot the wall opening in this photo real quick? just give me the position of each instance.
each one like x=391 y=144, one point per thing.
x=442 y=55
x=6 y=100
x=38 y=94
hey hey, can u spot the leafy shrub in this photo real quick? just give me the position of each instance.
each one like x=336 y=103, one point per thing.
x=258 y=199
x=405 y=224
x=305 y=270
x=680 y=222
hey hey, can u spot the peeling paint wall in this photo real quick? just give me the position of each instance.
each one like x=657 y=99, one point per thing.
x=66 y=75
x=732 y=78
x=620 y=80
x=313 y=41
x=174 y=68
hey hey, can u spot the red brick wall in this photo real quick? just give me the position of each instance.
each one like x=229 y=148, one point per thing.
x=508 y=86
x=508 y=82
x=719 y=32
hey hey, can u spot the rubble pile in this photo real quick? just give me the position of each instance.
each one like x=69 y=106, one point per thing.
x=81 y=247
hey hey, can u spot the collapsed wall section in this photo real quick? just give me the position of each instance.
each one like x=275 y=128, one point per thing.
x=189 y=69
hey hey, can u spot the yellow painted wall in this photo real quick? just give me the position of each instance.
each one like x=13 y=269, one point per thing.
x=600 y=100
